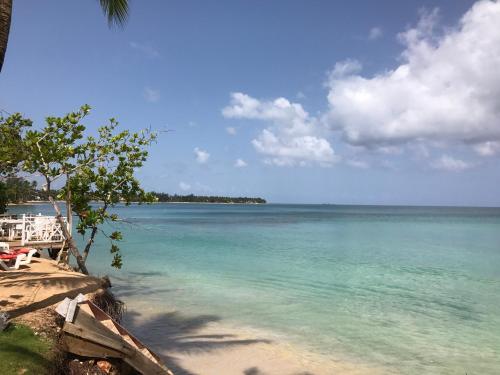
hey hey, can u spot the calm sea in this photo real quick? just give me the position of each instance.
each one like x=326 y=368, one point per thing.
x=414 y=289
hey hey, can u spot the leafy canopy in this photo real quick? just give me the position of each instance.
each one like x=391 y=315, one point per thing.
x=98 y=171
x=12 y=150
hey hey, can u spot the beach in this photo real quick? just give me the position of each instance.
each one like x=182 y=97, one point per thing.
x=204 y=345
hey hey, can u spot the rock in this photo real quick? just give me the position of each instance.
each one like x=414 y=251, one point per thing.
x=4 y=320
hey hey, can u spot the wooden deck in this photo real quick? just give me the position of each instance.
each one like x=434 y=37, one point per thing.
x=44 y=245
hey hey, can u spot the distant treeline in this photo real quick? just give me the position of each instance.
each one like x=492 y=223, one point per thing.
x=191 y=198
x=19 y=190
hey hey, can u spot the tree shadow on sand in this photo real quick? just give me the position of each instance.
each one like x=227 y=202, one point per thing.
x=257 y=371
x=174 y=332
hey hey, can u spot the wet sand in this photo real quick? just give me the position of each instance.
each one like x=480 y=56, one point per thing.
x=204 y=345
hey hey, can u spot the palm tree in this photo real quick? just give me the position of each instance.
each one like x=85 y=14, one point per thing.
x=116 y=12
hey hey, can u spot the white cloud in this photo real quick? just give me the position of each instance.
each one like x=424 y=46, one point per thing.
x=446 y=88
x=449 y=163
x=487 y=148
x=358 y=164
x=293 y=137
x=344 y=68
x=300 y=95
x=201 y=155
x=147 y=49
x=231 y=130
x=184 y=186
x=151 y=95
x=240 y=163
x=375 y=33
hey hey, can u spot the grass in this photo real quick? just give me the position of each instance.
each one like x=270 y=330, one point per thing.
x=22 y=352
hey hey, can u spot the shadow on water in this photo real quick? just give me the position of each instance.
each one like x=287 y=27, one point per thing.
x=173 y=332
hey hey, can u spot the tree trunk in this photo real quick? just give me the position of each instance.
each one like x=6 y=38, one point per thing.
x=5 y=16
x=89 y=244
x=69 y=238
x=69 y=208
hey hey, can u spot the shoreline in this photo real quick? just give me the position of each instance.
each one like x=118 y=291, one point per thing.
x=206 y=345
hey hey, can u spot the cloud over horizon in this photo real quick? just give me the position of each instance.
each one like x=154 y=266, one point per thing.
x=446 y=89
x=449 y=163
x=444 y=92
x=292 y=136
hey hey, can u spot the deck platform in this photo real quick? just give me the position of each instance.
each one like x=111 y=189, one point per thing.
x=37 y=245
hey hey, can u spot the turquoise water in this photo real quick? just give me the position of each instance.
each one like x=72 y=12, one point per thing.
x=413 y=289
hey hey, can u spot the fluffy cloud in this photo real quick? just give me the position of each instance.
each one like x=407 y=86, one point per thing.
x=201 y=155
x=184 y=186
x=230 y=130
x=375 y=33
x=446 y=89
x=293 y=137
x=448 y=163
x=240 y=163
x=151 y=95
x=487 y=148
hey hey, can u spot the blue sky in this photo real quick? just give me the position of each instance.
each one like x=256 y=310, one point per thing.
x=386 y=102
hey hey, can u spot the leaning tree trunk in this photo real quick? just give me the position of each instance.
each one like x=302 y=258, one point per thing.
x=71 y=242
x=5 y=15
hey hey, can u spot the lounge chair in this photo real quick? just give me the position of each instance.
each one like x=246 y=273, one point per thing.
x=19 y=258
x=28 y=257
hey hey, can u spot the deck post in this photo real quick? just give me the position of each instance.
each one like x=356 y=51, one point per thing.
x=23 y=233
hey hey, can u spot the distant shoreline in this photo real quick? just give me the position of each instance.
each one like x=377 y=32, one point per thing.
x=28 y=203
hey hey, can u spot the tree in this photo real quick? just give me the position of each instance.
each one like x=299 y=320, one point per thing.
x=12 y=149
x=116 y=12
x=98 y=173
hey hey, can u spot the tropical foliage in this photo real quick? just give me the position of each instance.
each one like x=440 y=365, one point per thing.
x=12 y=150
x=90 y=169
x=93 y=168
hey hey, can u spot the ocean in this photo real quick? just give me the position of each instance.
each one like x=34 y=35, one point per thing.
x=415 y=290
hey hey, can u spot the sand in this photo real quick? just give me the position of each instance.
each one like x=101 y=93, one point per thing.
x=41 y=284
x=206 y=347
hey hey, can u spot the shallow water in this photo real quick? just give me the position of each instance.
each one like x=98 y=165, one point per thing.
x=412 y=289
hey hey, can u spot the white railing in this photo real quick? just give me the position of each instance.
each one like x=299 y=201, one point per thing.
x=32 y=229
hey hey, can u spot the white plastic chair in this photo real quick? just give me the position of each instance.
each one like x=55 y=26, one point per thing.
x=19 y=259
x=28 y=257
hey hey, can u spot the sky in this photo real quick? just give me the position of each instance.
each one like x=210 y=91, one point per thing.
x=359 y=102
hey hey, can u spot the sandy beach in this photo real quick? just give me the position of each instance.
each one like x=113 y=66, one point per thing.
x=188 y=345
x=203 y=345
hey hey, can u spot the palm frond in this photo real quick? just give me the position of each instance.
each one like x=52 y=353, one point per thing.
x=116 y=11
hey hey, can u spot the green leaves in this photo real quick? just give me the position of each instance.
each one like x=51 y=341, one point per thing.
x=115 y=10
x=12 y=146
x=99 y=171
